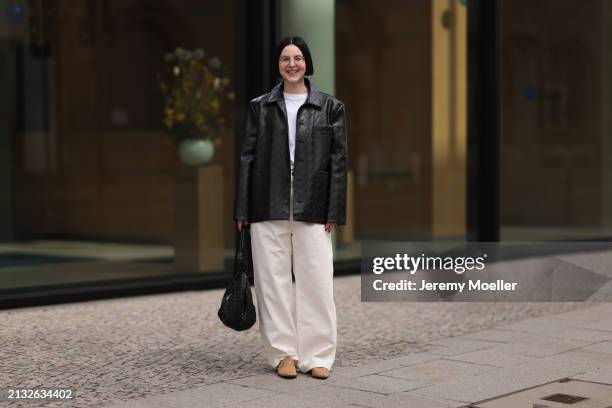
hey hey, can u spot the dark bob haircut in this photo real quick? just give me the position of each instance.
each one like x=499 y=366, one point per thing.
x=301 y=44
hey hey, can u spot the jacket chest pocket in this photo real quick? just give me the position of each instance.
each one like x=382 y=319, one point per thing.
x=322 y=129
x=322 y=136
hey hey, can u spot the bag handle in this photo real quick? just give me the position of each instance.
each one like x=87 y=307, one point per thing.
x=242 y=233
x=240 y=252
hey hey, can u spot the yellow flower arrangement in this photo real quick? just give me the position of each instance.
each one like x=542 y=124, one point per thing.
x=195 y=90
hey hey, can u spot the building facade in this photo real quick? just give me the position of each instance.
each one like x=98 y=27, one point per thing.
x=467 y=120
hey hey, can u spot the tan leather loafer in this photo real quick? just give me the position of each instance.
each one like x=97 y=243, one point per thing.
x=286 y=368
x=320 y=373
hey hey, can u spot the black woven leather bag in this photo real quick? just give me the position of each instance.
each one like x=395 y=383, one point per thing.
x=237 y=310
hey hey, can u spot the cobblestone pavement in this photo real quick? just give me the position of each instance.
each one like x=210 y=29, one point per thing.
x=129 y=348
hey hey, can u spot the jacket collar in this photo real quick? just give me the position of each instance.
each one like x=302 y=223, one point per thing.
x=314 y=95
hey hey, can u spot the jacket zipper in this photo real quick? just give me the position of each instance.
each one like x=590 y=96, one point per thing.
x=297 y=120
x=283 y=108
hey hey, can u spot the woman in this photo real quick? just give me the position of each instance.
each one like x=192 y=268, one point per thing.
x=291 y=189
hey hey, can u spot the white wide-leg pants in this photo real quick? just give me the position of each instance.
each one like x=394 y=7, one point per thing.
x=300 y=325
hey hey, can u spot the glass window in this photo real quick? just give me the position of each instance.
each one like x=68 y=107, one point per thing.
x=556 y=144
x=91 y=187
x=401 y=70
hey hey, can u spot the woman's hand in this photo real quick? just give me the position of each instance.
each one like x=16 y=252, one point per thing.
x=329 y=226
x=241 y=224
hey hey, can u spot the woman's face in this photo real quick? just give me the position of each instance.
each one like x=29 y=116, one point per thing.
x=292 y=64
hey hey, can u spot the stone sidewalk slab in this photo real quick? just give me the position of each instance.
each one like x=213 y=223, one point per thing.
x=578 y=360
x=600 y=375
x=603 y=325
x=455 y=345
x=495 y=335
x=281 y=401
x=604 y=347
x=437 y=371
x=596 y=396
x=491 y=357
x=209 y=396
x=386 y=365
x=270 y=382
x=492 y=384
x=409 y=401
x=336 y=396
x=578 y=333
x=511 y=379
x=449 y=373
x=576 y=318
x=381 y=384
x=539 y=347
x=149 y=350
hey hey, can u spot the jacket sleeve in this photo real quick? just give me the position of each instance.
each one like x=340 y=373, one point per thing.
x=336 y=211
x=247 y=155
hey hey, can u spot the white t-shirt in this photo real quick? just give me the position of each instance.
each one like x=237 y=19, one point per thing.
x=293 y=102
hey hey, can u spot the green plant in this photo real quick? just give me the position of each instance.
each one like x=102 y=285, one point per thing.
x=196 y=95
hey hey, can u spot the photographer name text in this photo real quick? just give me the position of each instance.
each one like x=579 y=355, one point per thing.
x=470 y=285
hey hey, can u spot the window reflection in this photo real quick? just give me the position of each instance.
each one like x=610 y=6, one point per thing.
x=401 y=70
x=555 y=161
x=89 y=183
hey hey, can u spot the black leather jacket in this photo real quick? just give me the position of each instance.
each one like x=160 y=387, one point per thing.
x=320 y=160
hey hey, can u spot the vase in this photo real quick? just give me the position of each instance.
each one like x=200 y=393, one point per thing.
x=196 y=151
